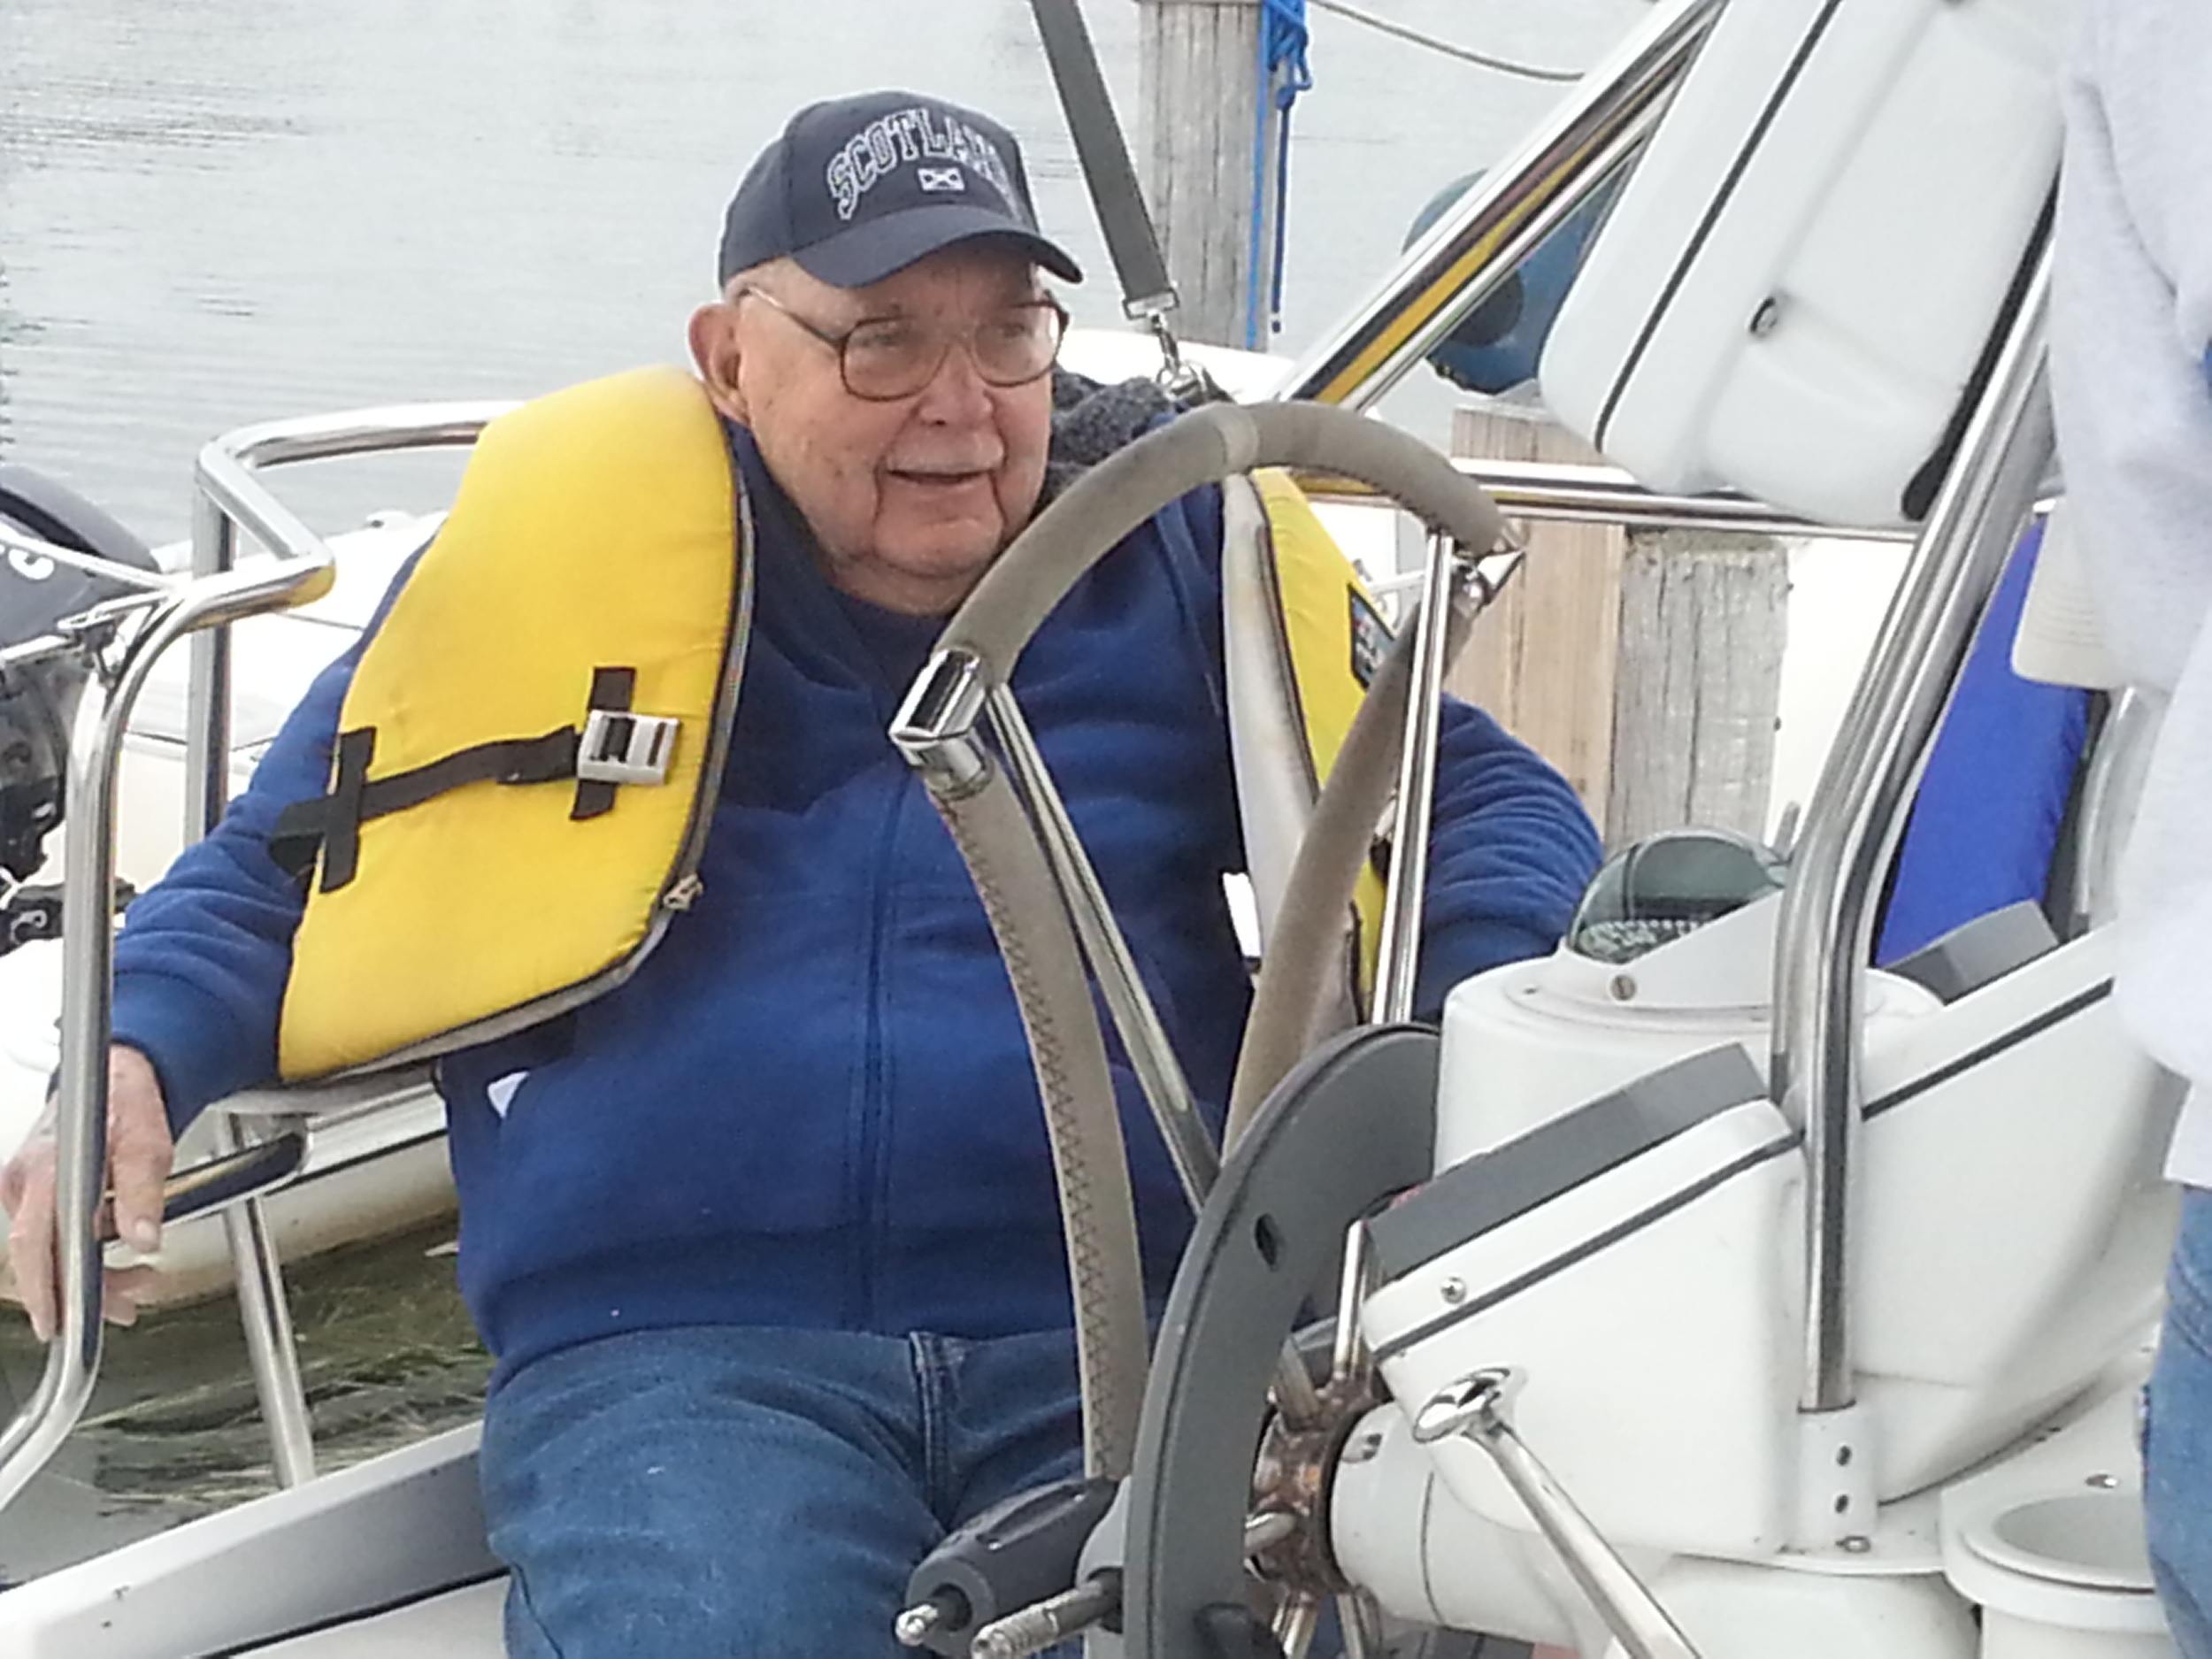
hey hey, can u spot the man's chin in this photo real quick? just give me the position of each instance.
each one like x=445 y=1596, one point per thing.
x=927 y=580
x=945 y=558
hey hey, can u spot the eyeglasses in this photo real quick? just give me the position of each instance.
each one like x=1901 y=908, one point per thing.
x=885 y=358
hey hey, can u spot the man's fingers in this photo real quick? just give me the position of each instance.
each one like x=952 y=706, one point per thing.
x=34 y=1259
x=31 y=1245
x=139 y=1157
x=124 y=1290
x=140 y=1148
x=140 y=1151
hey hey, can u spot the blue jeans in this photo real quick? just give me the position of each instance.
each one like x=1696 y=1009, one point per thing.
x=2178 y=1437
x=755 y=1493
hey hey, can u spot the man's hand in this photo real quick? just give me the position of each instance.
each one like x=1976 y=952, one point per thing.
x=140 y=1153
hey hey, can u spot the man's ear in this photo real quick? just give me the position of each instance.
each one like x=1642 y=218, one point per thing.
x=714 y=349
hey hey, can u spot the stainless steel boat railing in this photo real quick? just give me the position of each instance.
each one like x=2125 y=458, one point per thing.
x=1477 y=241
x=1578 y=492
x=1821 y=953
x=124 y=641
x=1825 y=935
x=123 y=637
x=229 y=497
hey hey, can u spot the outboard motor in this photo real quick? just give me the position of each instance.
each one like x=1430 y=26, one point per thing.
x=38 y=701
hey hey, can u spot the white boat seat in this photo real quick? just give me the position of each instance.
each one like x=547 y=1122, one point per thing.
x=461 y=1623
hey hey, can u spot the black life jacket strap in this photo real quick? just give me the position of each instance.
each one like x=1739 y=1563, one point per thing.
x=330 y=825
x=611 y=689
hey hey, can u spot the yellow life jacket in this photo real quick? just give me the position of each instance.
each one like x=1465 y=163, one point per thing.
x=529 y=751
x=1302 y=638
x=531 y=746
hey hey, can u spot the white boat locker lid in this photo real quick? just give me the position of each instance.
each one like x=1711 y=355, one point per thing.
x=1797 y=286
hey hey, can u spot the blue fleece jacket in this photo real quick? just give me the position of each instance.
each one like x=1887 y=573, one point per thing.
x=812 y=1105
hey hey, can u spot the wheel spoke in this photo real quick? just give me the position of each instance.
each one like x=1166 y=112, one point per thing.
x=1360 y=1618
x=1267 y=1529
x=1295 y=1622
x=1295 y=1396
x=1349 y=1360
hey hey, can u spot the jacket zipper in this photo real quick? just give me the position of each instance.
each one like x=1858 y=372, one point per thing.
x=869 y=1173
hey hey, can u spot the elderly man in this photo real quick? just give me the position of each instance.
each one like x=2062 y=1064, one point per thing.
x=763 y=1237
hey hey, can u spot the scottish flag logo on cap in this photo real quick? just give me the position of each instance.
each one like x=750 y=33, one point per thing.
x=856 y=188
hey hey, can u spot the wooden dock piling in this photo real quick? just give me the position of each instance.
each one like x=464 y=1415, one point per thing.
x=1542 y=658
x=1648 y=669
x=1200 y=99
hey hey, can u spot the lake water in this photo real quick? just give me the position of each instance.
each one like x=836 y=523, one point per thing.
x=385 y=1353
x=223 y=212
x=236 y=210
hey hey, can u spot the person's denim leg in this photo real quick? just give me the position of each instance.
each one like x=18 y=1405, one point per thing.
x=703 y=1493
x=2178 y=1437
x=1002 y=1415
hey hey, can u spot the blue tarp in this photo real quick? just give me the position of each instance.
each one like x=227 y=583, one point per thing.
x=1993 y=803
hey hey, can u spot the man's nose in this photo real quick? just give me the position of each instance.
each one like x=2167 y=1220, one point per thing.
x=957 y=391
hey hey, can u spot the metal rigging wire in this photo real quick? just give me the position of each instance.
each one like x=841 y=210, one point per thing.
x=1504 y=66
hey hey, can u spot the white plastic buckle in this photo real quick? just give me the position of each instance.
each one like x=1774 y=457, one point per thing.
x=619 y=747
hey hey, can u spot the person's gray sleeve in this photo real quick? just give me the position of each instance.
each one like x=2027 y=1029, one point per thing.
x=2131 y=321
x=2128 y=333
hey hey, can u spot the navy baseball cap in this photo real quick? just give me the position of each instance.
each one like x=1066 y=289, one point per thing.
x=858 y=187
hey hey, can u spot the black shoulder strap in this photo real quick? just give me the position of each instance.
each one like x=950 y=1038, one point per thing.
x=330 y=825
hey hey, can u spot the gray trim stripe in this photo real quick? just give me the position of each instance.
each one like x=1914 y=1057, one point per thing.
x=339 y=1620
x=1995 y=1046
x=1493 y=1188
x=1591 y=1245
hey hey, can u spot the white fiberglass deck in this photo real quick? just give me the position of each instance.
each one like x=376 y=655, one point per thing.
x=461 y=1623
